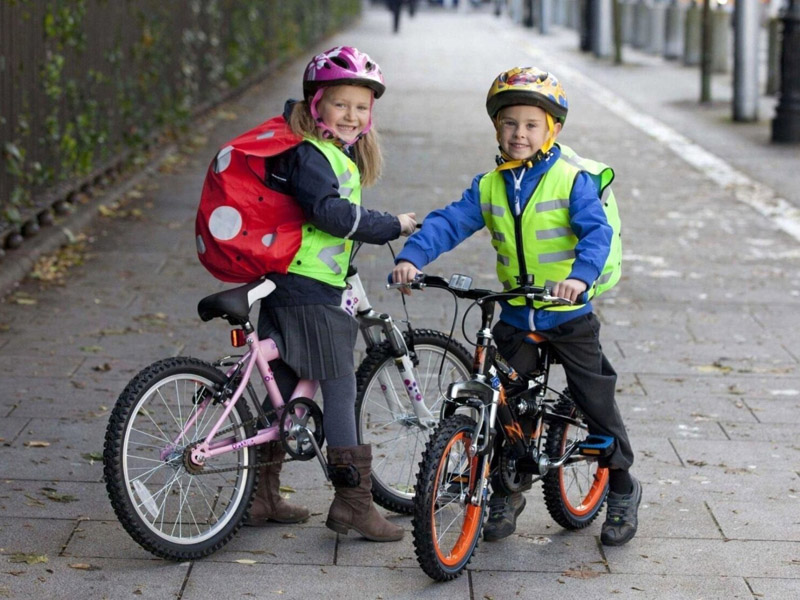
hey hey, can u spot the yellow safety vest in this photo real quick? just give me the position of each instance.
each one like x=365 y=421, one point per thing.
x=540 y=240
x=323 y=256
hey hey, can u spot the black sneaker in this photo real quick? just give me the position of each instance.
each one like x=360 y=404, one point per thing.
x=503 y=513
x=622 y=516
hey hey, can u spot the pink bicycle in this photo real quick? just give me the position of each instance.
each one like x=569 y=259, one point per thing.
x=181 y=452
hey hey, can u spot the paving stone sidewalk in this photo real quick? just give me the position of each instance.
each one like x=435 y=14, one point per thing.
x=702 y=331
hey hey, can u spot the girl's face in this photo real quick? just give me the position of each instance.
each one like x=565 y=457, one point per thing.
x=346 y=110
x=523 y=130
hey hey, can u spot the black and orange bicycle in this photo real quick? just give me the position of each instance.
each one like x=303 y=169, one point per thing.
x=501 y=429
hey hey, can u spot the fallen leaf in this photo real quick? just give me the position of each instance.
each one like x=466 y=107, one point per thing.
x=83 y=567
x=289 y=536
x=34 y=501
x=25 y=301
x=36 y=444
x=56 y=497
x=286 y=488
x=245 y=561
x=29 y=559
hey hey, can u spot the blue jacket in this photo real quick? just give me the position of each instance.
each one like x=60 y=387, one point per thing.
x=445 y=228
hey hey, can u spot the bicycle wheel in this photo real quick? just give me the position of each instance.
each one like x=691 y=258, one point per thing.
x=169 y=506
x=385 y=416
x=575 y=492
x=446 y=526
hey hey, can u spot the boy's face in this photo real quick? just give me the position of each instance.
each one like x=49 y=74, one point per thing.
x=346 y=110
x=523 y=130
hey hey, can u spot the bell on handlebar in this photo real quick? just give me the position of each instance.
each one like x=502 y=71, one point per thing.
x=461 y=283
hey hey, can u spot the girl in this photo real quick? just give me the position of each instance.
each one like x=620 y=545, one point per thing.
x=316 y=337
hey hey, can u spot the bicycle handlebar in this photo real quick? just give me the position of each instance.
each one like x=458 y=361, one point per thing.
x=460 y=286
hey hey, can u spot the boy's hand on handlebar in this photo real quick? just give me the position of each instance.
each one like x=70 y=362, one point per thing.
x=405 y=272
x=571 y=289
x=408 y=223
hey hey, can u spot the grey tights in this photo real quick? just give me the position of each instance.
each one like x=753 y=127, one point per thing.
x=339 y=396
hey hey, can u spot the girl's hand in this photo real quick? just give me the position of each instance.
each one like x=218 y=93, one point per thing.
x=404 y=272
x=408 y=223
x=571 y=289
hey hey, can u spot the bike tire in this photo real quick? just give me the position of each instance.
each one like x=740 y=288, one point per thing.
x=167 y=510
x=398 y=440
x=446 y=474
x=574 y=493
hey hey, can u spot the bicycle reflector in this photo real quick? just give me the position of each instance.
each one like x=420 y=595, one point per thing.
x=238 y=338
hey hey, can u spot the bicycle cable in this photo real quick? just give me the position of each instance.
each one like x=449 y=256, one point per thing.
x=440 y=374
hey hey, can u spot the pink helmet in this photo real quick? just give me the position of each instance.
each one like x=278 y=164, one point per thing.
x=343 y=65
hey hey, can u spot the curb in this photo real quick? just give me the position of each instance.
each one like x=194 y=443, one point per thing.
x=18 y=263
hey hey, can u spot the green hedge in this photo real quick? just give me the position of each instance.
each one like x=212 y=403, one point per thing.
x=84 y=83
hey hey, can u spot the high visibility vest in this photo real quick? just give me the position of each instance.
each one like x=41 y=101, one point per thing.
x=540 y=242
x=323 y=256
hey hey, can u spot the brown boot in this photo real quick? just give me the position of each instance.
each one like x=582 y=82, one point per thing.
x=352 y=507
x=268 y=504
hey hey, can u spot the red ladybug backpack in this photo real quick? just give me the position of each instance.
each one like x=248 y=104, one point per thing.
x=244 y=229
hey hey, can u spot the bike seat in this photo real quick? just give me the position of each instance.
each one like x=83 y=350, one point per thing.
x=234 y=305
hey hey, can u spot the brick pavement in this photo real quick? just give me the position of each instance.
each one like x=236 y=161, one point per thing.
x=701 y=331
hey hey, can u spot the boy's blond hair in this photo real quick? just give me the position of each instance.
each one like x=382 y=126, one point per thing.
x=366 y=151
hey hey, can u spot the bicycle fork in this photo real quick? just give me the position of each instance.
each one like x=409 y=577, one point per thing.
x=368 y=321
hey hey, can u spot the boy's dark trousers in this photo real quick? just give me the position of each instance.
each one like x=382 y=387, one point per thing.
x=590 y=377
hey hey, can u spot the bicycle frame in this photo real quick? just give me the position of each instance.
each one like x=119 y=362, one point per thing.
x=258 y=356
x=485 y=393
x=373 y=325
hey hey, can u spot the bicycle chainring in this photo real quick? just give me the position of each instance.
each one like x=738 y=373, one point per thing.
x=301 y=420
x=506 y=477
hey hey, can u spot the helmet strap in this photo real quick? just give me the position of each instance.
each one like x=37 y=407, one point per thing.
x=328 y=133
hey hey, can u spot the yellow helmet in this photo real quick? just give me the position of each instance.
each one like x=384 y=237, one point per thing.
x=531 y=86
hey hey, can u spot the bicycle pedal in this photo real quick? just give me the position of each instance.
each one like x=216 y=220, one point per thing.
x=597 y=445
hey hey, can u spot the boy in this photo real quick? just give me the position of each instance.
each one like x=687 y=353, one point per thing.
x=542 y=207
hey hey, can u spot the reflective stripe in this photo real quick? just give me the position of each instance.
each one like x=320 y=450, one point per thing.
x=506 y=285
x=503 y=260
x=499 y=236
x=556 y=232
x=497 y=211
x=550 y=284
x=551 y=257
x=342 y=178
x=355 y=225
x=326 y=256
x=266 y=135
x=604 y=278
x=571 y=160
x=552 y=205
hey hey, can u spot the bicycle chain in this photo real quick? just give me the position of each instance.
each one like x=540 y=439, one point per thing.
x=253 y=421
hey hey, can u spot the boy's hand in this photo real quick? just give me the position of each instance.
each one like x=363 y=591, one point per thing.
x=571 y=289
x=408 y=223
x=404 y=272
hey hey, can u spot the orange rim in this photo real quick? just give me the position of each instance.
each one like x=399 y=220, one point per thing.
x=472 y=515
x=590 y=500
x=595 y=494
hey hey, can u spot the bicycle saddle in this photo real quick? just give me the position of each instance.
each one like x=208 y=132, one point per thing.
x=234 y=305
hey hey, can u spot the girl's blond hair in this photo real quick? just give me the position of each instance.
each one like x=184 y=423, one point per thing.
x=366 y=151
